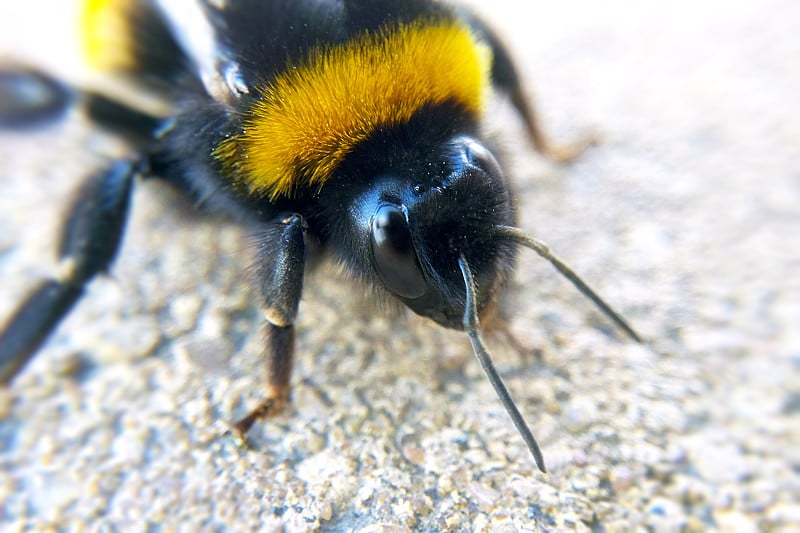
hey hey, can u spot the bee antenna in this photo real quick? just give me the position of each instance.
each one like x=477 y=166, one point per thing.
x=470 y=324
x=520 y=237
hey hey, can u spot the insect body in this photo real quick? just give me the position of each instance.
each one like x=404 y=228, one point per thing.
x=352 y=127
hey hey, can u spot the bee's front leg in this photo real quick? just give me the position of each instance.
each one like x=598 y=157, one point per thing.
x=280 y=269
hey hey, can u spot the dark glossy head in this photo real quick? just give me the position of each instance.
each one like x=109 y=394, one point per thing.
x=406 y=230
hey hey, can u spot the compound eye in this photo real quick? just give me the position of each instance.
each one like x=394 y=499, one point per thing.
x=395 y=257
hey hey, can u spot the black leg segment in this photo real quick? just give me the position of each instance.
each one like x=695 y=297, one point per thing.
x=280 y=269
x=29 y=98
x=96 y=222
x=121 y=119
x=506 y=79
x=89 y=244
x=33 y=322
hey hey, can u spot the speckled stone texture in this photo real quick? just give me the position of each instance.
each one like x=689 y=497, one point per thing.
x=685 y=217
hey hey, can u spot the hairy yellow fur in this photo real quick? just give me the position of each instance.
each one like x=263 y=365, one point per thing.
x=106 y=34
x=313 y=114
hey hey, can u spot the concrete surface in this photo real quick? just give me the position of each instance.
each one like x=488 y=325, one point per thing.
x=685 y=217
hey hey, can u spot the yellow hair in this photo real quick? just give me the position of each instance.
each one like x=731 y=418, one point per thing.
x=315 y=113
x=106 y=33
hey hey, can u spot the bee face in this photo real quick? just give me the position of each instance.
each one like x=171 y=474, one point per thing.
x=456 y=219
x=421 y=214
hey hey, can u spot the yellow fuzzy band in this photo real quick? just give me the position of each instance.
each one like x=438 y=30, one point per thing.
x=311 y=116
x=106 y=34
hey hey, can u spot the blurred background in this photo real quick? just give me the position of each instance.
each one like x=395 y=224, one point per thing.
x=685 y=217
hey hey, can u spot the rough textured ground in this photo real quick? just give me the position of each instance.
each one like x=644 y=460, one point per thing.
x=685 y=217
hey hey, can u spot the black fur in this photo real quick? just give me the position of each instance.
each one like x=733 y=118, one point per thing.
x=158 y=60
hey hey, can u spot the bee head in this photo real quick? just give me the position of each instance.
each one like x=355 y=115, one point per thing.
x=417 y=218
x=434 y=224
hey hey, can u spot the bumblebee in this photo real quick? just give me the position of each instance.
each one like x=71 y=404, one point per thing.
x=350 y=128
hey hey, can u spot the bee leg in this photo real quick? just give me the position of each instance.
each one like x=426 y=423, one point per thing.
x=560 y=153
x=30 y=98
x=88 y=245
x=279 y=353
x=520 y=347
x=506 y=79
x=121 y=119
x=279 y=271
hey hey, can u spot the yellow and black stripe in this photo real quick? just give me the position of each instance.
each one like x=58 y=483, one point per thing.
x=131 y=37
x=297 y=127
x=311 y=116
